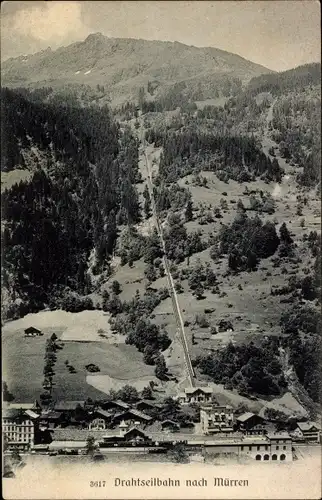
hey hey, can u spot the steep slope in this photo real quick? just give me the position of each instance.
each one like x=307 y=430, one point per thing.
x=296 y=117
x=124 y=65
x=70 y=207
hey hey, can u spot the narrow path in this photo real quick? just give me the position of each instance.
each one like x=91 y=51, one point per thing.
x=173 y=293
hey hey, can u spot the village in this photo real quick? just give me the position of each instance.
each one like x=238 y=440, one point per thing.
x=66 y=428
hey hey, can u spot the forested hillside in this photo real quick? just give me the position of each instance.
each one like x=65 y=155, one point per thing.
x=83 y=174
x=296 y=124
x=231 y=180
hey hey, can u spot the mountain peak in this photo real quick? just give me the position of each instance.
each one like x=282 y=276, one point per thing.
x=124 y=65
x=95 y=37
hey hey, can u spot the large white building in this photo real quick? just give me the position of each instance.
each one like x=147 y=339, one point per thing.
x=216 y=419
x=18 y=427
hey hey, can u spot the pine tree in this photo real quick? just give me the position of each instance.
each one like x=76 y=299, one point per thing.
x=161 y=369
x=188 y=212
x=90 y=446
x=147 y=393
x=149 y=354
x=285 y=234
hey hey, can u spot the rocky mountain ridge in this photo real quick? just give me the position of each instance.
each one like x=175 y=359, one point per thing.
x=123 y=65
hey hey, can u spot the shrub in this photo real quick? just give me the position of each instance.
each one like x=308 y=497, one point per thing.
x=201 y=321
x=92 y=368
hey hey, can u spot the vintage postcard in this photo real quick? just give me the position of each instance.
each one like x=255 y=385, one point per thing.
x=161 y=264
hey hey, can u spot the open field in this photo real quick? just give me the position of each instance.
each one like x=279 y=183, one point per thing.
x=60 y=319
x=23 y=370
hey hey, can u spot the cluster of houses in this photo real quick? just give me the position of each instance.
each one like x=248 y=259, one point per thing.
x=119 y=426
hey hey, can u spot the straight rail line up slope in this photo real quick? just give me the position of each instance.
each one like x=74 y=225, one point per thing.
x=173 y=294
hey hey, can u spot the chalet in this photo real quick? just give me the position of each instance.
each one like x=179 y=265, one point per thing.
x=116 y=405
x=250 y=423
x=308 y=431
x=132 y=417
x=32 y=332
x=146 y=405
x=196 y=395
x=170 y=425
x=49 y=420
x=18 y=428
x=99 y=419
x=125 y=437
x=216 y=419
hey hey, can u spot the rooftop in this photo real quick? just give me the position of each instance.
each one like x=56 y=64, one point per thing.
x=67 y=405
x=21 y=406
x=118 y=402
x=104 y=413
x=31 y=414
x=245 y=416
x=135 y=413
x=12 y=413
x=52 y=415
x=213 y=406
x=171 y=422
x=149 y=402
x=58 y=445
x=32 y=329
x=71 y=434
x=307 y=426
x=278 y=435
x=192 y=390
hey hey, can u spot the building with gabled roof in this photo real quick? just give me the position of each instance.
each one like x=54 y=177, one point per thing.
x=309 y=431
x=117 y=404
x=99 y=419
x=32 y=332
x=132 y=417
x=252 y=424
x=170 y=425
x=18 y=428
x=196 y=395
x=49 y=419
x=147 y=405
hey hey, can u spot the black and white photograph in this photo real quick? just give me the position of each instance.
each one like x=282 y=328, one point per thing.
x=161 y=249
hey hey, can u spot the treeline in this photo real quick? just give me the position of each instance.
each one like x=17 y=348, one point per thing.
x=182 y=95
x=240 y=115
x=297 y=130
x=279 y=83
x=74 y=203
x=231 y=157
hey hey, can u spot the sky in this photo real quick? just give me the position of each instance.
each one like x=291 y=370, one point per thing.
x=279 y=34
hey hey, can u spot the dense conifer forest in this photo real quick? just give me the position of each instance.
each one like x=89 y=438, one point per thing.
x=81 y=189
